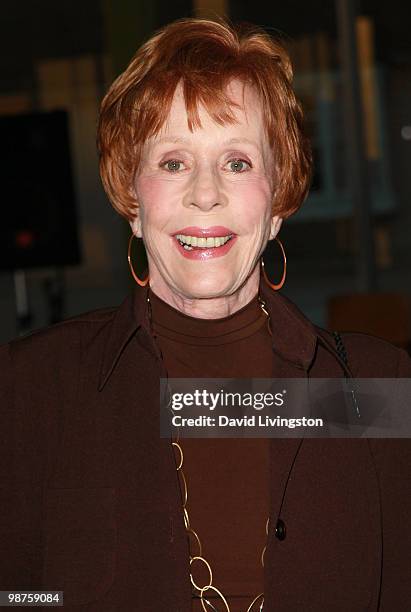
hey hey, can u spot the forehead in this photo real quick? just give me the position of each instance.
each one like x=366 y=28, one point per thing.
x=248 y=117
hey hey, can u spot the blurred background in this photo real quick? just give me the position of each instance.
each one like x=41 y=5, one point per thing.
x=63 y=250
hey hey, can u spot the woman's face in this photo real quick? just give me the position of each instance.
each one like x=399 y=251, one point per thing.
x=212 y=191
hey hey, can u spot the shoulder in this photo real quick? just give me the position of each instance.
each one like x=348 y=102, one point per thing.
x=45 y=345
x=370 y=356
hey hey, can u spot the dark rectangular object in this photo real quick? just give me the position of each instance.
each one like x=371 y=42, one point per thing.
x=39 y=220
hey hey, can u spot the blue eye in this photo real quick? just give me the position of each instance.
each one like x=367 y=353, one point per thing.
x=239 y=165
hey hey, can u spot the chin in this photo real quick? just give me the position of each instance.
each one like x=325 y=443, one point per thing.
x=209 y=287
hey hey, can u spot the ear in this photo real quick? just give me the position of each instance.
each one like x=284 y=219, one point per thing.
x=276 y=223
x=135 y=225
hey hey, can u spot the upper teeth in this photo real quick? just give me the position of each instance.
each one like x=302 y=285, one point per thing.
x=215 y=241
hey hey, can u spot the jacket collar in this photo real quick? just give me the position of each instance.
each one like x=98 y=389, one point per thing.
x=294 y=336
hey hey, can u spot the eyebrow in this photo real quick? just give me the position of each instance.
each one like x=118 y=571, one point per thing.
x=182 y=140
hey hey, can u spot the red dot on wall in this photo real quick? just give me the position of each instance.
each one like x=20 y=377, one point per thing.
x=24 y=239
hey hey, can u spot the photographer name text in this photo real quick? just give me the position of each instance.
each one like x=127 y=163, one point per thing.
x=250 y=421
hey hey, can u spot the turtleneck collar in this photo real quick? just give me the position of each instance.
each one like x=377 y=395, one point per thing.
x=171 y=323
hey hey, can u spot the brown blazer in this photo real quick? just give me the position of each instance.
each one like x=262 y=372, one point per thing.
x=90 y=501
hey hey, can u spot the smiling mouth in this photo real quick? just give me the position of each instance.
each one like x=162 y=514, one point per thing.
x=191 y=243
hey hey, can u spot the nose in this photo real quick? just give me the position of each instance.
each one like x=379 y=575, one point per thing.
x=205 y=191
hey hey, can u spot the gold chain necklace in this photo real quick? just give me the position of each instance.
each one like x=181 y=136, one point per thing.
x=199 y=558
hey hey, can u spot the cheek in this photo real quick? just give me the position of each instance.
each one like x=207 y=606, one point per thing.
x=149 y=191
x=156 y=198
x=254 y=200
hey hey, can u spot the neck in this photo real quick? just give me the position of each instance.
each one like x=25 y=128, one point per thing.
x=209 y=307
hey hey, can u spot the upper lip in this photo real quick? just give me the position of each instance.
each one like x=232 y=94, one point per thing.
x=205 y=232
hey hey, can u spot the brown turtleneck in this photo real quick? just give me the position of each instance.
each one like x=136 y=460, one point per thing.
x=227 y=479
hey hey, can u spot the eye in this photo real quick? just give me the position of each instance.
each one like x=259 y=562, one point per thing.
x=172 y=165
x=239 y=165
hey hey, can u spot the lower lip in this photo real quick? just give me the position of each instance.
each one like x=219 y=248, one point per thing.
x=205 y=254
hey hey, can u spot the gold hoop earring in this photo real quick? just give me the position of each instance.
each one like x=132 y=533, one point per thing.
x=144 y=282
x=282 y=281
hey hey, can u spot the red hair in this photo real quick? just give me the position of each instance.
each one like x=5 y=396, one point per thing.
x=204 y=56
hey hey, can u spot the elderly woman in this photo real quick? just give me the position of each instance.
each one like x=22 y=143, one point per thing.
x=202 y=152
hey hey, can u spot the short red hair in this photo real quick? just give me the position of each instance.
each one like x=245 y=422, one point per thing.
x=204 y=56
